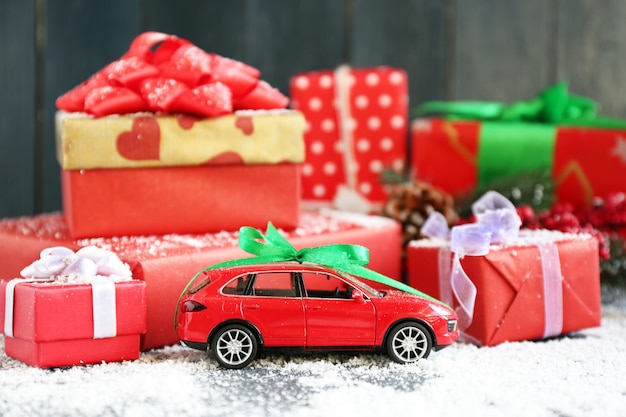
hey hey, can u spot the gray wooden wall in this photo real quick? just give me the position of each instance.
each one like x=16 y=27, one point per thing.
x=501 y=50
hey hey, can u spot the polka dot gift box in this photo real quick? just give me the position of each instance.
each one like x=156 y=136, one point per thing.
x=356 y=124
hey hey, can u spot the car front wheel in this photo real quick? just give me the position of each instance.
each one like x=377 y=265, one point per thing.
x=234 y=346
x=409 y=342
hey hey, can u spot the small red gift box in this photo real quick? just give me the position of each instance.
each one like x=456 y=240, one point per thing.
x=516 y=299
x=52 y=325
x=356 y=127
x=167 y=263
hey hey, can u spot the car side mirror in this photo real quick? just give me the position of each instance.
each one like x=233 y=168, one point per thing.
x=358 y=297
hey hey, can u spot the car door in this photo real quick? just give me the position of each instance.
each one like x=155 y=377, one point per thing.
x=274 y=305
x=333 y=317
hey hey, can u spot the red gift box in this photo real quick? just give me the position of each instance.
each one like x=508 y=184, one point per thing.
x=356 y=127
x=584 y=162
x=53 y=324
x=167 y=263
x=168 y=103
x=514 y=300
x=136 y=201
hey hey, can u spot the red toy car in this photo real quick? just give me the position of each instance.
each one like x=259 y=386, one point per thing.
x=236 y=311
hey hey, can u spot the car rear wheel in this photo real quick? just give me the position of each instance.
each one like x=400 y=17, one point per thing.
x=409 y=342
x=235 y=346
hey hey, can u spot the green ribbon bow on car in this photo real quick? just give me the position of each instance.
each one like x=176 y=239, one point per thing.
x=554 y=105
x=273 y=247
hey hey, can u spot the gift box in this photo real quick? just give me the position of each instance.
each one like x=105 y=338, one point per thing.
x=171 y=139
x=356 y=128
x=167 y=263
x=73 y=308
x=478 y=144
x=510 y=301
x=53 y=324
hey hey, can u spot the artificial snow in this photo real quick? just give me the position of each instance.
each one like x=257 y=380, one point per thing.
x=581 y=374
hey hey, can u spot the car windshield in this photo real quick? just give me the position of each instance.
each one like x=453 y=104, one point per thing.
x=362 y=284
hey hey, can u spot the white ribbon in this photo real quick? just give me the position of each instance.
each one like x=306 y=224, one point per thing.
x=8 y=307
x=9 y=298
x=347 y=197
x=104 y=308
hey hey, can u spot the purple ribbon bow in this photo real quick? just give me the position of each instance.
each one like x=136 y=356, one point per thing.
x=496 y=222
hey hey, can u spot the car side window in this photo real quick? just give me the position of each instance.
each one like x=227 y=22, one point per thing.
x=238 y=285
x=320 y=285
x=274 y=284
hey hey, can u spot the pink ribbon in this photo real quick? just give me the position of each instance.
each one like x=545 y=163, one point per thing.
x=497 y=222
x=98 y=267
x=552 y=288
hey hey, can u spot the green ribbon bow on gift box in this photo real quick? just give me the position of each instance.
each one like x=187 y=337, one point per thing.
x=519 y=138
x=554 y=105
x=273 y=247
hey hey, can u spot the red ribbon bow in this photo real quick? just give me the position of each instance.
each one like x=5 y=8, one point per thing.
x=165 y=73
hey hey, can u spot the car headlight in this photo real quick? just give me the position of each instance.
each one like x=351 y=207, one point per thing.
x=452 y=325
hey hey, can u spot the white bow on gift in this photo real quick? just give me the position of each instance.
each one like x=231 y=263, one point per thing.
x=61 y=263
x=90 y=265
x=497 y=222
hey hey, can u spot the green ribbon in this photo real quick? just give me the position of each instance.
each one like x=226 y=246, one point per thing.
x=509 y=149
x=554 y=105
x=273 y=247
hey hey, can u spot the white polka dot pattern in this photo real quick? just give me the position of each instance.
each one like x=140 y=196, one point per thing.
x=376 y=121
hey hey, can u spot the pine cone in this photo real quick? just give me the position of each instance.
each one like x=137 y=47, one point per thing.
x=412 y=203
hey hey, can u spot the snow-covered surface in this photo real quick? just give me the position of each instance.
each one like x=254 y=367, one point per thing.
x=583 y=374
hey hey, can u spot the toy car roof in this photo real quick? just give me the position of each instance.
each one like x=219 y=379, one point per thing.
x=287 y=265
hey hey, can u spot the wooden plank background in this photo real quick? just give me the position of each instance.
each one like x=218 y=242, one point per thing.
x=483 y=49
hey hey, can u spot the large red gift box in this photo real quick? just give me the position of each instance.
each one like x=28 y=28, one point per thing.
x=459 y=156
x=356 y=128
x=167 y=263
x=514 y=300
x=53 y=324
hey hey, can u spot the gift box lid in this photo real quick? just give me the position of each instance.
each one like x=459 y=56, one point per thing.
x=157 y=140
